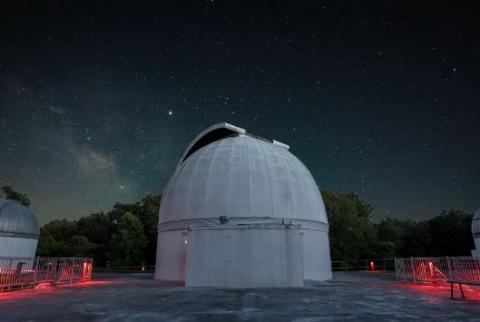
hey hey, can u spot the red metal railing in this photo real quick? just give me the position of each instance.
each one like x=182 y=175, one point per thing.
x=18 y=273
x=438 y=269
x=374 y=264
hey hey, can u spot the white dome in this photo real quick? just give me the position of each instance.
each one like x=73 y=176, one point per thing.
x=238 y=175
x=476 y=223
x=276 y=230
x=17 y=220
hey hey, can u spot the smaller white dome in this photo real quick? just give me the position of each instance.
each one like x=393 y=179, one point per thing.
x=17 y=220
x=476 y=223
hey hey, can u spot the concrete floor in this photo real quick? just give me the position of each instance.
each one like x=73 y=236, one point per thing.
x=356 y=297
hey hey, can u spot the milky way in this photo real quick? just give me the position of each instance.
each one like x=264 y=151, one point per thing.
x=98 y=101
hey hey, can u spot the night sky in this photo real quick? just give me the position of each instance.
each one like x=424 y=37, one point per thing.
x=98 y=101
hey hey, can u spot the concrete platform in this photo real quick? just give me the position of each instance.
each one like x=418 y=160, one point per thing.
x=350 y=296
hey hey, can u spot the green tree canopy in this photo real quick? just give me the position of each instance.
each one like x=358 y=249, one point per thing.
x=99 y=234
x=127 y=241
x=54 y=238
x=445 y=235
x=80 y=246
x=451 y=234
x=351 y=230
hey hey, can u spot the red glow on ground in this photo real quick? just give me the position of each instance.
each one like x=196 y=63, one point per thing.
x=46 y=289
x=28 y=293
x=442 y=291
x=88 y=283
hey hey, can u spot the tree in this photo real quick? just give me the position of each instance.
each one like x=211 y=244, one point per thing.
x=54 y=237
x=390 y=236
x=97 y=228
x=351 y=230
x=48 y=246
x=149 y=217
x=147 y=212
x=127 y=243
x=79 y=246
x=11 y=194
x=445 y=235
x=415 y=240
x=451 y=234
x=99 y=234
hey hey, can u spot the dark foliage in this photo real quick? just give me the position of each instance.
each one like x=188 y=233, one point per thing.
x=353 y=235
x=448 y=234
x=126 y=235
x=351 y=231
x=11 y=194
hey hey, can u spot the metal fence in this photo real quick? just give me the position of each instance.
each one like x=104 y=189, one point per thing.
x=438 y=269
x=378 y=264
x=18 y=273
x=125 y=269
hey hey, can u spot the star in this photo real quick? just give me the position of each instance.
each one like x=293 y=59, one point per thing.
x=170 y=112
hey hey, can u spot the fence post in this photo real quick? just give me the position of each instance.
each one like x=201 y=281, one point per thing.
x=395 y=267
x=11 y=279
x=449 y=268
x=72 y=265
x=397 y=273
x=36 y=272
x=413 y=270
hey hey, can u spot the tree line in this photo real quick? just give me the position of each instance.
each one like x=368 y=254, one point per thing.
x=126 y=235
x=354 y=235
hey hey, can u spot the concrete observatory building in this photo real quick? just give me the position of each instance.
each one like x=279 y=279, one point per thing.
x=241 y=211
x=476 y=234
x=19 y=230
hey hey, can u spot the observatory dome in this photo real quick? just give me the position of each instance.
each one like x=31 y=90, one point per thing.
x=19 y=230
x=476 y=223
x=242 y=176
x=17 y=220
x=476 y=234
x=241 y=211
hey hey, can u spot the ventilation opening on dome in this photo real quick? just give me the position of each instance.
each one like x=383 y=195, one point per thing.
x=208 y=138
x=218 y=132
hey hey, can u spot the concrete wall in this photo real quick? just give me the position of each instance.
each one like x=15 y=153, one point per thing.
x=171 y=252
x=476 y=251
x=246 y=257
x=316 y=255
x=17 y=246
